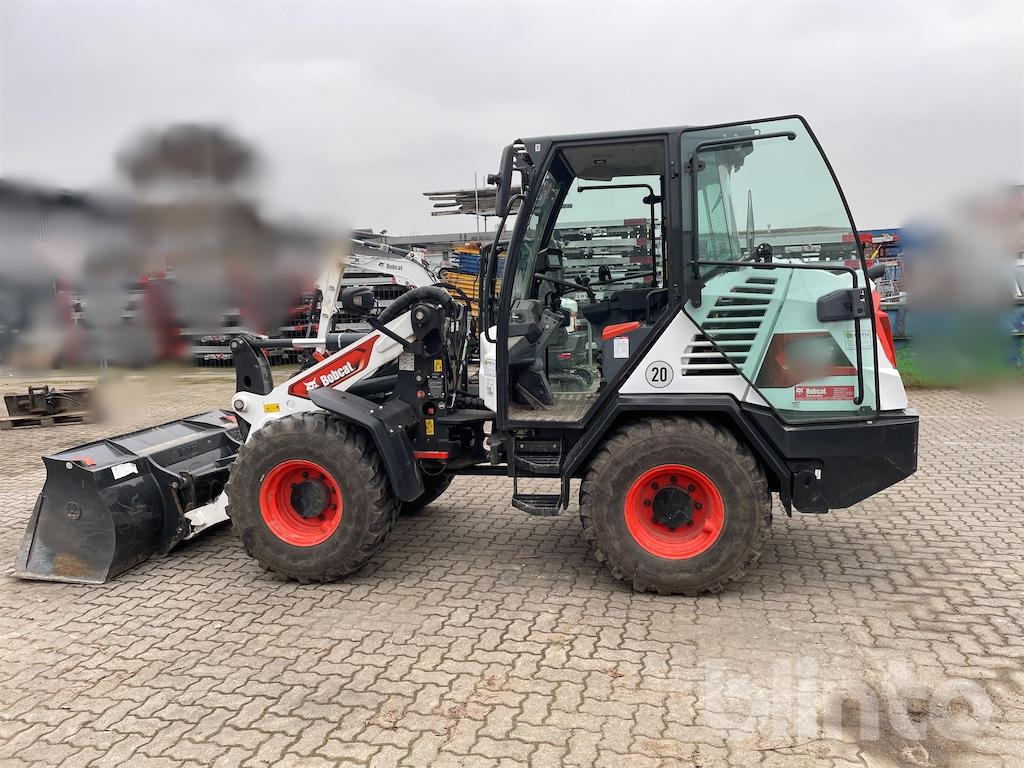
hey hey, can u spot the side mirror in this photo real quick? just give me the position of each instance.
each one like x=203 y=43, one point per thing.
x=358 y=300
x=503 y=180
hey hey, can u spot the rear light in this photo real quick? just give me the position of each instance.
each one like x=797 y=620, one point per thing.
x=564 y=355
x=884 y=328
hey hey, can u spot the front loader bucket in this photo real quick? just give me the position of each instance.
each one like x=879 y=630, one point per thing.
x=108 y=506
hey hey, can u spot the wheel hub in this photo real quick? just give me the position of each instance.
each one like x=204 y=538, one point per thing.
x=310 y=498
x=672 y=507
x=674 y=511
x=301 y=502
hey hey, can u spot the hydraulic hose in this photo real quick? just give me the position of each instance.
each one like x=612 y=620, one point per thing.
x=407 y=299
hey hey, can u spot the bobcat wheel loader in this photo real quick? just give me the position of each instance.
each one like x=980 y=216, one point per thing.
x=735 y=354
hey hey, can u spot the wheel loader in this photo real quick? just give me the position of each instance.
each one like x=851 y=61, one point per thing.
x=744 y=357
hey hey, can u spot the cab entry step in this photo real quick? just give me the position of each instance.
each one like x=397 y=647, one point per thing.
x=539 y=463
x=539 y=504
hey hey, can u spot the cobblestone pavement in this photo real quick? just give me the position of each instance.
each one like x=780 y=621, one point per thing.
x=885 y=635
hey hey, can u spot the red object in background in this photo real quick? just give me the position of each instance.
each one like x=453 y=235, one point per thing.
x=159 y=307
x=869 y=239
x=863 y=237
x=71 y=342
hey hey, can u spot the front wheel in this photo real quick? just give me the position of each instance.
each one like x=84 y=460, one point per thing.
x=675 y=505
x=309 y=498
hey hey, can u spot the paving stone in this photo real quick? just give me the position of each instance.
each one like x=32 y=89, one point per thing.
x=483 y=637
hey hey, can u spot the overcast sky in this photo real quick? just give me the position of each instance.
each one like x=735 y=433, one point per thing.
x=358 y=108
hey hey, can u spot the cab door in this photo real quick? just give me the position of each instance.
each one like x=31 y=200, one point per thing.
x=776 y=283
x=590 y=248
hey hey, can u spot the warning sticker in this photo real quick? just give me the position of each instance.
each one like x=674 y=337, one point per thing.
x=850 y=340
x=620 y=347
x=488 y=380
x=803 y=392
x=123 y=470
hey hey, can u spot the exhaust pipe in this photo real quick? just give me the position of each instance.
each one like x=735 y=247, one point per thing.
x=109 y=505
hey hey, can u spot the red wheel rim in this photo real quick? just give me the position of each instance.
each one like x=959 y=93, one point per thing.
x=282 y=511
x=705 y=512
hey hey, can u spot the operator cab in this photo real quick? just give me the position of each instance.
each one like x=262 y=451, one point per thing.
x=588 y=278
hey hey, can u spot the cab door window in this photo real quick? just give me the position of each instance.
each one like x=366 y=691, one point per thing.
x=592 y=251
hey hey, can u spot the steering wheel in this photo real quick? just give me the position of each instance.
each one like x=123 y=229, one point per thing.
x=566 y=284
x=624 y=278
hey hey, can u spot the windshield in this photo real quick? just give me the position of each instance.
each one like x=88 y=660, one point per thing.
x=547 y=195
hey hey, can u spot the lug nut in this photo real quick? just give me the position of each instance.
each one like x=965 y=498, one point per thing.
x=698 y=505
x=647 y=502
x=691 y=487
x=654 y=486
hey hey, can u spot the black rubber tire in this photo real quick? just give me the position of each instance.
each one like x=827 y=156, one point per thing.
x=434 y=487
x=692 y=442
x=370 y=510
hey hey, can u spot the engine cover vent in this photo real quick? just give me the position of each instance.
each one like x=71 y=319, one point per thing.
x=733 y=324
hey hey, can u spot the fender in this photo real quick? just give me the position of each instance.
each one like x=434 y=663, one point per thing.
x=386 y=425
x=685 y=404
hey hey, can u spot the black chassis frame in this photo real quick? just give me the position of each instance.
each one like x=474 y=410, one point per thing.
x=813 y=467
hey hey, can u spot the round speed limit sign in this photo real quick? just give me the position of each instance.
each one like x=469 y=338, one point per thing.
x=659 y=374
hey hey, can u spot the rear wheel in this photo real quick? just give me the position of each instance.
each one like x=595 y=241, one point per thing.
x=434 y=487
x=675 y=505
x=309 y=499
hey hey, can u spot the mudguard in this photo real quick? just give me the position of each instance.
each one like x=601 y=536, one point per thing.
x=109 y=505
x=386 y=424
